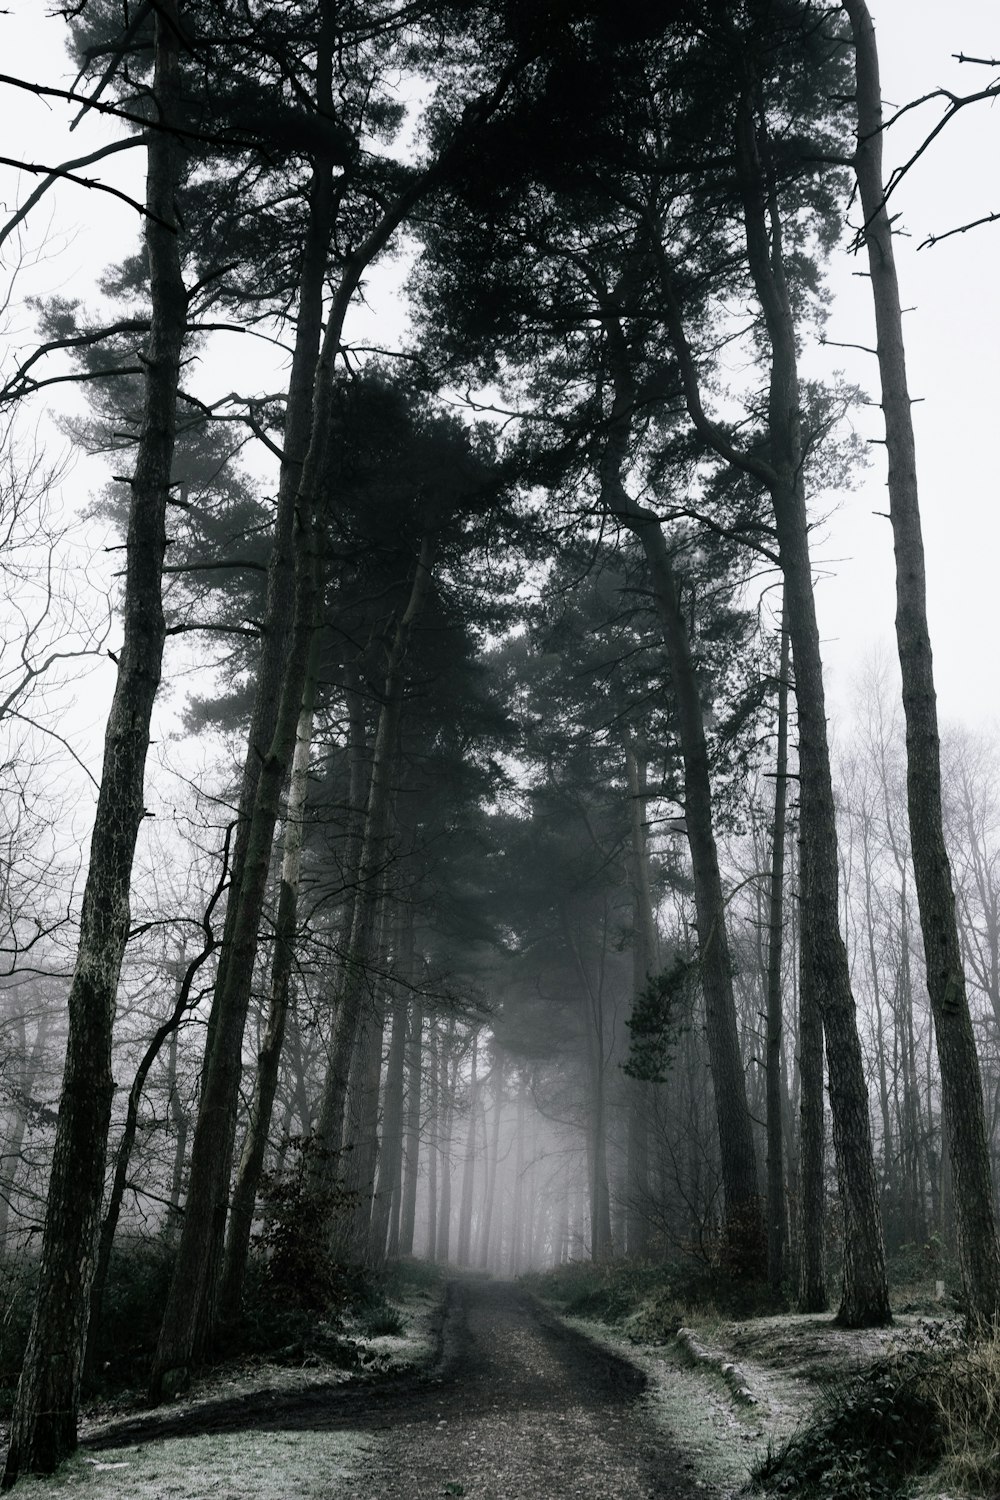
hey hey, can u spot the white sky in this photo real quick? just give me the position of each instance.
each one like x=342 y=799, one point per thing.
x=951 y=337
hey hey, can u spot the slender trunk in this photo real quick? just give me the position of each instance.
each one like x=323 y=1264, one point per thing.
x=812 y=1295
x=43 y=1424
x=433 y=1111
x=517 y=1213
x=363 y=1139
x=372 y=864
x=123 y=1156
x=179 y=1123
x=865 y=1299
x=644 y=946
x=961 y=1086
x=744 y=1230
x=777 y=1217
x=411 y=1153
x=469 y=1164
x=449 y=1083
x=877 y=1007
x=268 y=1058
x=386 y=1208
x=292 y=597
x=489 y=1197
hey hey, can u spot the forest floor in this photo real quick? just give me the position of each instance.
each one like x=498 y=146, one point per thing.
x=499 y=1398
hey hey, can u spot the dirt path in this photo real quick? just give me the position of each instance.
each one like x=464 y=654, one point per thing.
x=521 y=1408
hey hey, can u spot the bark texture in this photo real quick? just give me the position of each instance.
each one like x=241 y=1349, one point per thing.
x=777 y=1217
x=43 y=1426
x=961 y=1086
x=293 y=588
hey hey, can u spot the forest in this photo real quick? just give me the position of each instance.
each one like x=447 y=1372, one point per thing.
x=471 y=873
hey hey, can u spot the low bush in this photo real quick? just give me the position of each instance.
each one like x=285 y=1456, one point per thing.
x=933 y=1407
x=380 y=1321
x=652 y=1299
x=871 y=1434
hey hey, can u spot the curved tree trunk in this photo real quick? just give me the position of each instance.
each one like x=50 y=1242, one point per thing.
x=743 y=1225
x=961 y=1086
x=744 y=1235
x=43 y=1426
x=123 y=1156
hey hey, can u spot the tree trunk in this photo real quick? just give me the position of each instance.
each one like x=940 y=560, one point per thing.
x=865 y=1300
x=449 y=1085
x=961 y=1085
x=777 y=1217
x=489 y=1196
x=469 y=1164
x=362 y=1134
x=290 y=614
x=433 y=1127
x=178 y=1119
x=386 y=1207
x=744 y=1228
x=363 y=936
x=123 y=1156
x=644 y=958
x=517 y=1212
x=269 y=1056
x=812 y=1296
x=43 y=1425
x=411 y=1154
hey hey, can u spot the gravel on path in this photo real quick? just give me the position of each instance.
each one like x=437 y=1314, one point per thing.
x=529 y=1410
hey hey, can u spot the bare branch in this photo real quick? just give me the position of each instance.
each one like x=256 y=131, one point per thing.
x=36 y=168
x=64 y=171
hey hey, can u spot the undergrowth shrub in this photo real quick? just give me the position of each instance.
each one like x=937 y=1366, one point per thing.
x=871 y=1433
x=379 y=1321
x=934 y=1406
x=301 y=1270
x=653 y=1300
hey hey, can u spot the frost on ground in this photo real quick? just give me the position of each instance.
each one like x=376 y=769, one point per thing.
x=234 y=1466
x=726 y=1391
x=415 y=1346
x=267 y=1465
